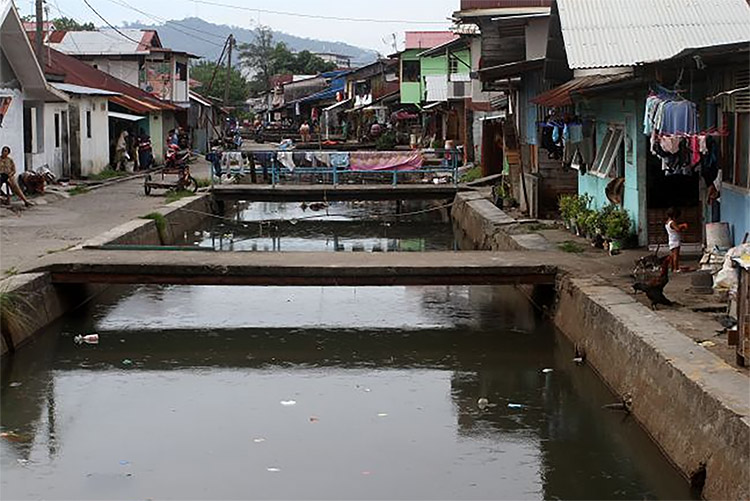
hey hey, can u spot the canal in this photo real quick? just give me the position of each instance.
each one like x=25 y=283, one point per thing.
x=317 y=393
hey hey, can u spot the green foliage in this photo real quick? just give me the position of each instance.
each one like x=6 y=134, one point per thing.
x=203 y=182
x=106 y=174
x=386 y=142
x=64 y=23
x=266 y=59
x=239 y=88
x=78 y=190
x=571 y=247
x=472 y=174
x=13 y=316
x=173 y=196
x=161 y=225
x=616 y=223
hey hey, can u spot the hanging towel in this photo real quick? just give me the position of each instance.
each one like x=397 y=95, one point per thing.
x=340 y=160
x=286 y=159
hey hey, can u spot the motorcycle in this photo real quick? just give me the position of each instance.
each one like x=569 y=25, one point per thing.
x=176 y=162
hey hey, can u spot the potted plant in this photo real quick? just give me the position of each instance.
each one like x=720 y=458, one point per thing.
x=616 y=227
x=567 y=206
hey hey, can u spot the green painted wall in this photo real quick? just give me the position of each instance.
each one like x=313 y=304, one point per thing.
x=629 y=114
x=414 y=92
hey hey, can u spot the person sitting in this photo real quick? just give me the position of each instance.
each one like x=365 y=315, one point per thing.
x=8 y=176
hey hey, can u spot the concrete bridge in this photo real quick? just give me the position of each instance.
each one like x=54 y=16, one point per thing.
x=335 y=193
x=300 y=269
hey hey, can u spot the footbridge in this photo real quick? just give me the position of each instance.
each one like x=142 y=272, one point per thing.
x=335 y=192
x=300 y=269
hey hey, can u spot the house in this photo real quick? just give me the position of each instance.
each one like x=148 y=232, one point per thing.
x=509 y=47
x=136 y=57
x=130 y=108
x=204 y=119
x=83 y=130
x=341 y=61
x=25 y=124
x=371 y=93
x=605 y=79
x=413 y=84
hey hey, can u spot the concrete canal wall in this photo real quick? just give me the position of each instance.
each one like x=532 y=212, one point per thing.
x=693 y=404
x=37 y=302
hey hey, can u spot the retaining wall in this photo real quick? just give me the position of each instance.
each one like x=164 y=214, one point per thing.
x=693 y=404
x=38 y=303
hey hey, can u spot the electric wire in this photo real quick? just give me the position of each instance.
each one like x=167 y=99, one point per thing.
x=315 y=16
x=138 y=42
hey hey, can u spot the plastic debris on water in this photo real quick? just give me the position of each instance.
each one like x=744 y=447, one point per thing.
x=288 y=403
x=546 y=371
x=483 y=403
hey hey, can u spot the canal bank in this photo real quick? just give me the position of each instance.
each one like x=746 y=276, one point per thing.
x=36 y=302
x=693 y=404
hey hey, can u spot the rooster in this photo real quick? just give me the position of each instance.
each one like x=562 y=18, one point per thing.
x=647 y=280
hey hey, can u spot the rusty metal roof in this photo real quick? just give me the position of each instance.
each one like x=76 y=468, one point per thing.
x=562 y=95
x=609 y=33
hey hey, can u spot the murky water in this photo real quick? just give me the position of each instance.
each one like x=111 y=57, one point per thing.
x=334 y=227
x=316 y=393
x=189 y=395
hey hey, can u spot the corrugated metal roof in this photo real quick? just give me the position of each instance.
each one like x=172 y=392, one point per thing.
x=562 y=94
x=104 y=42
x=607 y=33
x=427 y=39
x=80 y=89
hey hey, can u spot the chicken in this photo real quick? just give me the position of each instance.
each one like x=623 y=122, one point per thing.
x=651 y=276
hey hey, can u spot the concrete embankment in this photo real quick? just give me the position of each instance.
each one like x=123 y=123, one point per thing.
x=36 y=302
x=693 y=404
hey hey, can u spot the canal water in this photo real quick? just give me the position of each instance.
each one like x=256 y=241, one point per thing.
x=316 y=393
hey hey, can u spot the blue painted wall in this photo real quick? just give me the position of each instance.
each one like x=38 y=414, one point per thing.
x=735 y=210
x=624 y=112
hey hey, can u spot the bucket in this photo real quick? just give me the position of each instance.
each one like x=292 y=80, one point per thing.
x=717 y=235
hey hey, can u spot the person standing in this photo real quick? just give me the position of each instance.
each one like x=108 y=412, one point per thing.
x=674 y=235
x=121 y=151
x=304 y=132
x=8 y=175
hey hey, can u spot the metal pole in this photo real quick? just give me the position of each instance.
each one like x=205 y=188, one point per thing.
x=229 y=69
x=39 y=42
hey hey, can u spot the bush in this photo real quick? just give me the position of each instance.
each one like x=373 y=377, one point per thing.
x=617 y=223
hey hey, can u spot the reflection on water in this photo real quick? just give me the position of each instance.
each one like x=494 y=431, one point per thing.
x=334 y=227
x=183 y=398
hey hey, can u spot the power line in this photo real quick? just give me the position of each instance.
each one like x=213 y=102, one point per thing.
x=138 y=42
x=168 y=24
x=315 y=16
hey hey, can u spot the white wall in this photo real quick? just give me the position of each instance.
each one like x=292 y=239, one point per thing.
x=94 y=149
x=124 y=69
x=51 y=155
x=11 y=132
x=536 y=38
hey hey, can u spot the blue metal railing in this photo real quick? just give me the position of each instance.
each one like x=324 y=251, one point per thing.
x=438 y=162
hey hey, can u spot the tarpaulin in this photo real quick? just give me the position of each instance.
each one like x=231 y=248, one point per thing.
x=374 y=161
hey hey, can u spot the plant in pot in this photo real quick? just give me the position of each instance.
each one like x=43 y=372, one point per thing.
x=567 y=207
x=616 y=227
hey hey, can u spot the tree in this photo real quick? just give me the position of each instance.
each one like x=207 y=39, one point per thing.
x=68 y=24
x=239 y=88
x=266 y=59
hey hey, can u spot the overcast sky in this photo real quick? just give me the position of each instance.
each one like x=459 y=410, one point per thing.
x=363 y=34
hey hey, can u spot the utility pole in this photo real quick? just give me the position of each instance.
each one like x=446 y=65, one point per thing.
x=39 y=42
x=229 y=69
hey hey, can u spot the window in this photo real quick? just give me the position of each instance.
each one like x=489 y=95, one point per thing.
x=453 y=65
x=608 y=155
x=181 y=71
x=88 y=124
x=57 y=130
x=410 y=71
x=736 y=150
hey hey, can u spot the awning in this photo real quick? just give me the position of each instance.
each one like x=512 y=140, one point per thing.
x=562 y=94
x=433 y=106
x=125 y=116
x=507 y=70
x=337 y=105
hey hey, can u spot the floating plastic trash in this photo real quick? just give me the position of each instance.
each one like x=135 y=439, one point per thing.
x=515 y=406
x=314 y=419
x=707 y=344
x=483 y=403
x=547 y=371
x=127 y=361
x=88 y=339
x=15 y=384
x=124 y=462
x=578 y=360
x=288 y=403
x=273 y=470
x=259 y=440
x=383 y=414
